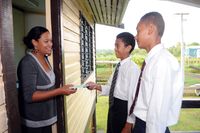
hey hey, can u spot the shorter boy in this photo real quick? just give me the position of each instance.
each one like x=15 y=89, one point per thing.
x=120 y=86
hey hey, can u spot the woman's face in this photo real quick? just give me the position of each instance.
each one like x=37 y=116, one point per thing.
x=44 y=44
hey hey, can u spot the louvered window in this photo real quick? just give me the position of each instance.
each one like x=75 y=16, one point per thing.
x=86 y=48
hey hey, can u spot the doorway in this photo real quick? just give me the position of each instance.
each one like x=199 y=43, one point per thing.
x=26 y=14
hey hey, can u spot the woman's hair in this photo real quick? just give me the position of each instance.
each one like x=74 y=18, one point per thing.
x=35 y=33
x=128 y=39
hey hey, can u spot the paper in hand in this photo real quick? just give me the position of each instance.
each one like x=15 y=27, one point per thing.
x=79 y=86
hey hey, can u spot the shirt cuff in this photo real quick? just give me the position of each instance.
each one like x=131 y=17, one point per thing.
x=155 y=128
x=104 y=91
x=131 y=119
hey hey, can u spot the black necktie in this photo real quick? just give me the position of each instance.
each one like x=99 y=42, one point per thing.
x=137 y=90
x=114 y=79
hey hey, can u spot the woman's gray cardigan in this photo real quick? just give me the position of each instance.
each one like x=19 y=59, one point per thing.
x=33 y=77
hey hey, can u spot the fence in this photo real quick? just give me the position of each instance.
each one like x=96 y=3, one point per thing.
x=104 y=70
x=192 y=61
x=107 y=69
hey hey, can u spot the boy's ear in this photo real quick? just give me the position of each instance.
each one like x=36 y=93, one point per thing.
x=152 y=29
x=129 y=47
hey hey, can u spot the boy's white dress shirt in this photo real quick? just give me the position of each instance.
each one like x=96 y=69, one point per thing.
x=161 y=90
x=126 y=83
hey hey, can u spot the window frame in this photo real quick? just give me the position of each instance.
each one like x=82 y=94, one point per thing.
x=86 y=48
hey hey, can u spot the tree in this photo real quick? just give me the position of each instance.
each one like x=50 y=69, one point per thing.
x=176 y=50
x=194 y=44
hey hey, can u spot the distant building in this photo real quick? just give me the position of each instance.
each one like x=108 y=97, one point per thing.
x=193 y=51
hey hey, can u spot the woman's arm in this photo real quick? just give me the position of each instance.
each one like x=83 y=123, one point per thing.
x=45 y=95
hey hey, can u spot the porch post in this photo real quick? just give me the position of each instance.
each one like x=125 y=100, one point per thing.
x=56 y=6
x=8 y=66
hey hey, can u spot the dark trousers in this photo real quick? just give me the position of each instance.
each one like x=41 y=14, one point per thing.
x=140 y=127
x=117 y=115
x=46 y=129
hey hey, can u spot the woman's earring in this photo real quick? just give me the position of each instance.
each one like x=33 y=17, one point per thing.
x=35 y=50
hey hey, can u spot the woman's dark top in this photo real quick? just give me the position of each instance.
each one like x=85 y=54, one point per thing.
x=32 y=77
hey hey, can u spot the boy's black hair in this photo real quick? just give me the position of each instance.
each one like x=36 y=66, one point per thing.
x=128 y=39
x=156 y=19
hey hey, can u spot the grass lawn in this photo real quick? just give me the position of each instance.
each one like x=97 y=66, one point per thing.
x=189 y=120
x=191 y=81
x=101 y=112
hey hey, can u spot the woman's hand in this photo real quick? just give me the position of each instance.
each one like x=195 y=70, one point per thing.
x=44 y=95
x=68 y=89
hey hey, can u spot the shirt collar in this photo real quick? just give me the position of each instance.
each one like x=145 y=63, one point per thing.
x=125 y=60
x=153 y=51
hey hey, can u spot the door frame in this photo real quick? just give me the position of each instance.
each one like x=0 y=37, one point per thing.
x=56 y=25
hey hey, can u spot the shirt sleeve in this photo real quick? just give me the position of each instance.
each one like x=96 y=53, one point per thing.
x=161 y=98
x=105 y=89
x=27 y=78
x=133 y=79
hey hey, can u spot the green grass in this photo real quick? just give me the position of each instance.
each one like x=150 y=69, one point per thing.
x=102 y=112
x=103 y=75
x=189 y=118
x=104 y=72
x=191 y=80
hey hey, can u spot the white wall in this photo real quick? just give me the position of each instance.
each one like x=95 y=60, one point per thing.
x=32 y=20
x=18 y=24
x=22 y=23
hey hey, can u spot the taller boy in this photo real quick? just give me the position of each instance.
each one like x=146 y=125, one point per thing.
x=160 y=91
x=121 y=85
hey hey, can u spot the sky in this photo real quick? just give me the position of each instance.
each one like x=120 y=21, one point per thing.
x=137 y=8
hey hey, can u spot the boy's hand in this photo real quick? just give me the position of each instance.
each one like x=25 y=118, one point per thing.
x=92 y=86
x=127 y=128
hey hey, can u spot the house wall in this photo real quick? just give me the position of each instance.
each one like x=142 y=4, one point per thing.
x=3 y=115
x=193 y=52
x=79 y=106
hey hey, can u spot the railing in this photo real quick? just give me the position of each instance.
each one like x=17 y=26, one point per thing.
x=187 y=102
x=190 y=61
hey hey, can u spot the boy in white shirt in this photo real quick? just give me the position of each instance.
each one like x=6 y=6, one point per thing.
x=161 y=88
x=120 y=86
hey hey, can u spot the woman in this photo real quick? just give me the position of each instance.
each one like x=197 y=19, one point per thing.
x=36 y=84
